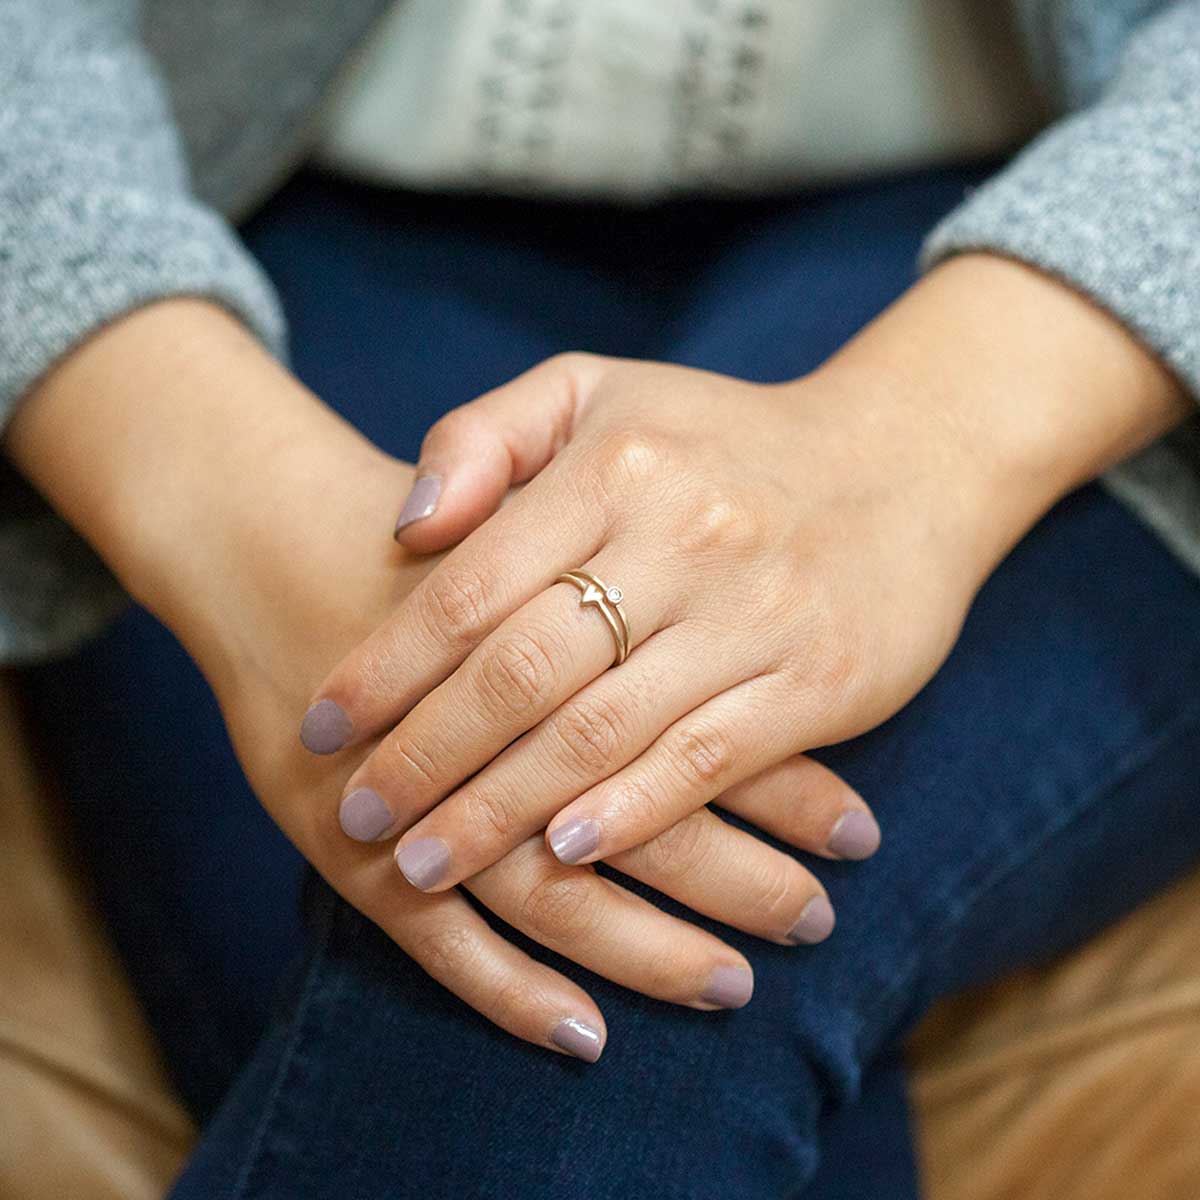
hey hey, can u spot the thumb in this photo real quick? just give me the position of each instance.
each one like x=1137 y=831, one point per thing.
x=475 y=453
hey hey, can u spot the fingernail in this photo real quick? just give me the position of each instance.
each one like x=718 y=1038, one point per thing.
x=421 y=502
x=855 y=836
x=729 y=987
x=424 y=862
x=364 y=816
x=578 y=1039
x=575 y=840
x=815 y=924
x=326 y=728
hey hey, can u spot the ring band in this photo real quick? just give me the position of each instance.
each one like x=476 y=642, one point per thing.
x=607 y=602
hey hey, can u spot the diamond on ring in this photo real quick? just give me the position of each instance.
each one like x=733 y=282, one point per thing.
x=607 y=602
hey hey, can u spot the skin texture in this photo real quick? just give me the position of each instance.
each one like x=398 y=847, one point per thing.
x=796 y=561
x=255 y=523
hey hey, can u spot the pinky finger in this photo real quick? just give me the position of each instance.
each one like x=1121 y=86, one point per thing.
x=452 y=943
x=805 y=804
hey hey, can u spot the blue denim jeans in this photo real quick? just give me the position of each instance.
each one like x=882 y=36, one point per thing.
x=1040 y=786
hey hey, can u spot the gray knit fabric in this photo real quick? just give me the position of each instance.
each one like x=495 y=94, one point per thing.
x=131 y=134
x=1109 y=199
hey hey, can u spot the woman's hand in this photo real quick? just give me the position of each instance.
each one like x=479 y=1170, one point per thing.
x=786 y=585
x=245 y=515
x=795 y=560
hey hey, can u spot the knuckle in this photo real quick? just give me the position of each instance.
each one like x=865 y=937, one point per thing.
x=490 y=815
x=517 y=673
x=450 y=427
x=404 y=759
x=841 y=666
x=771 y=898
x=680 y=852
x=519 y=999
x=630 y=457
x=701 y=754
x=721 y=524
x=558 y=906
x=834 y=673
x=590 y=732
x=572 y=360
x=455 y=605
x=446 y=951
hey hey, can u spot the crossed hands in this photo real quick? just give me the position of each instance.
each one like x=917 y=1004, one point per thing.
x=782 y=590
x=794 y=562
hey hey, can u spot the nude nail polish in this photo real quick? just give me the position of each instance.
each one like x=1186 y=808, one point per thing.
x=575 y=840
x=424 y=862
x=578 y=1039
x=326 y=728
x=421 y=502
x=364 y=815
x=729 y=987
x=815 y=924
x=855 y=836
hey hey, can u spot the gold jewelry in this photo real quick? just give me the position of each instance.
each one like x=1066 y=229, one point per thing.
x=607 y=602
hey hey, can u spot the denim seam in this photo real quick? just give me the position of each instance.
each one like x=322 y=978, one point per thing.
x=299 y=1020
x=1125 y=765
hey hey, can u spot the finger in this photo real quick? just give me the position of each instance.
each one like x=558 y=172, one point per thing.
x=449 y=940
x=543 y=654
x=731 y=876
x=476 y=452
x=805 y=804
x=550 y=527
x=717 y=745
x=609 y=930
x=598 y=730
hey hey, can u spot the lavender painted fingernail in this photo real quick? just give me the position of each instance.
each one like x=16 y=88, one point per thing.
x=424 y=862
x=364 y=816
x=575 y=840
x=855 y=836
x=578 y=1039
x=729 y=987
x=326 y=728
x=421 y=502
x=815 y=924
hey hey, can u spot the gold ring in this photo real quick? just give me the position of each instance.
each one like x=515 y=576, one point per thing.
x=607 y=602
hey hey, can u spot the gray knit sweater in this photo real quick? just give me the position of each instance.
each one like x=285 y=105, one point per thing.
x=132 y=134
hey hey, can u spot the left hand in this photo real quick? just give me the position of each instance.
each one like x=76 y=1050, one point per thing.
x=787 y=584
x=796 y=562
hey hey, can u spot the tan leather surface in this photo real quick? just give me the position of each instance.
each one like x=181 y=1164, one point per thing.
x=1075 y=1082
x=1080 y=1081
x=85 y=1110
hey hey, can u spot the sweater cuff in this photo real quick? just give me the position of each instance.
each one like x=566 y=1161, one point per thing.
x=72 y=264
x=1107 y=202
x=1103 y=201
x=75 y=263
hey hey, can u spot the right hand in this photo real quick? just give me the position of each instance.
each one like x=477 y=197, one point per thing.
x=255 y=524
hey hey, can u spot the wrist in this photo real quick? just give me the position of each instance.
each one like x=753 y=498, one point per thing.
x=190 y=460
x=1024 y=387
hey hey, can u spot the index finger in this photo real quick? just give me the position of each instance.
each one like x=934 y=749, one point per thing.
x=517 y=553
